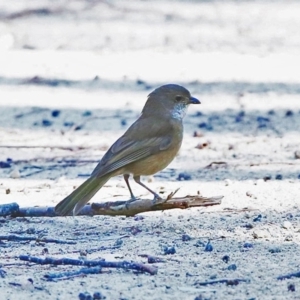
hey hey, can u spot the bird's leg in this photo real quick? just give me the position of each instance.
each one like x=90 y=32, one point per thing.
x=126 y=177
x=137 y=179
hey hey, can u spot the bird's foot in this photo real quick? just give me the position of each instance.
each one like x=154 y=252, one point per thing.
x=157 y=200
x=132 y=199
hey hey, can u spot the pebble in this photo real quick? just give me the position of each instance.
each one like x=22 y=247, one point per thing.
x=169 y=250
x=46 y=123
x=87 y=113
x=205 y=126
x=15 y=174
x=289 y=113
x=185 y=238
x=291 y=287
x=248 y=245
x=275 y=250
x=278 y=177
x=208 y=247
x=297 y=155
x=232 y=267
x=184 y=176
x=257 y=218
x=85 y=296
x=55 y=113
x=98 y=296
x=287 y=225
x=226 y=258
x=268 y=177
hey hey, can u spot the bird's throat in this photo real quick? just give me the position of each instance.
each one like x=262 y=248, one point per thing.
x=179 y=111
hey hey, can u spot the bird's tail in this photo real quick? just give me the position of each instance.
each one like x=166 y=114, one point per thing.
x=78 y=198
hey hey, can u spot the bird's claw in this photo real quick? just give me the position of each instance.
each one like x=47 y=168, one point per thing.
x=157 y=200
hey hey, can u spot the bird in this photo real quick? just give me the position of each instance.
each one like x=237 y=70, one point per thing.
x=147 y=147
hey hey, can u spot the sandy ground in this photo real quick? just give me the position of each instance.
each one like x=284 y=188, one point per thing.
x=75 y=74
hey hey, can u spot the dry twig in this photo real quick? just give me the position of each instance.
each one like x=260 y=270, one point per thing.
x=91 y=263
x=125 y=208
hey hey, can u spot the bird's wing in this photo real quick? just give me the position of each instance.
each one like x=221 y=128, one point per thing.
x=134 y=145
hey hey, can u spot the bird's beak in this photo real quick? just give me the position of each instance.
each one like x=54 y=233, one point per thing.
x=194 y=101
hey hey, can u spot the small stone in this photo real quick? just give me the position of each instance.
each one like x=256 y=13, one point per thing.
x=267 y=178
x=123 y=122
x=154 y=259
x=226 y=258
x=209 y=247
x=46 y=123
x=185 y=238
x=15 y=174
x=291 y=287
x=169 y=250
x=275 y=250
x=232 y=267
x=68 y=124
x=55 y=113
x=297 y=155
x=98 y=296
x=257 y=218
x=140 y=82
x=271 y=112
x=247 y=245
x=278 y=177
x=7 y=191
x=82 y=296
x=184 y=176
x=87 y=113
x=248 y=226
x=205 y=126
x=289 y=113
x=287 y=225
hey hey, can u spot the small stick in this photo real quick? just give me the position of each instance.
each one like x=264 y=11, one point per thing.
x=226 y=281
x=31 y=238
x=91 y=263
x=72 y=274
x=288 y=276
x=125 y=208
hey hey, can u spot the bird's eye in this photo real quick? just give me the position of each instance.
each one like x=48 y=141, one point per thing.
x=178 y=98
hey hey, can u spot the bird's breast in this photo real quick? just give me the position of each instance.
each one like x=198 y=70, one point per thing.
x=157 y=161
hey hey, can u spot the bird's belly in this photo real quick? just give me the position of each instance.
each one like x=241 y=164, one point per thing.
x=152 y=164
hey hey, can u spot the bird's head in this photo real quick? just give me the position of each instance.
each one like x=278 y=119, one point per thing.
x=169 y=99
